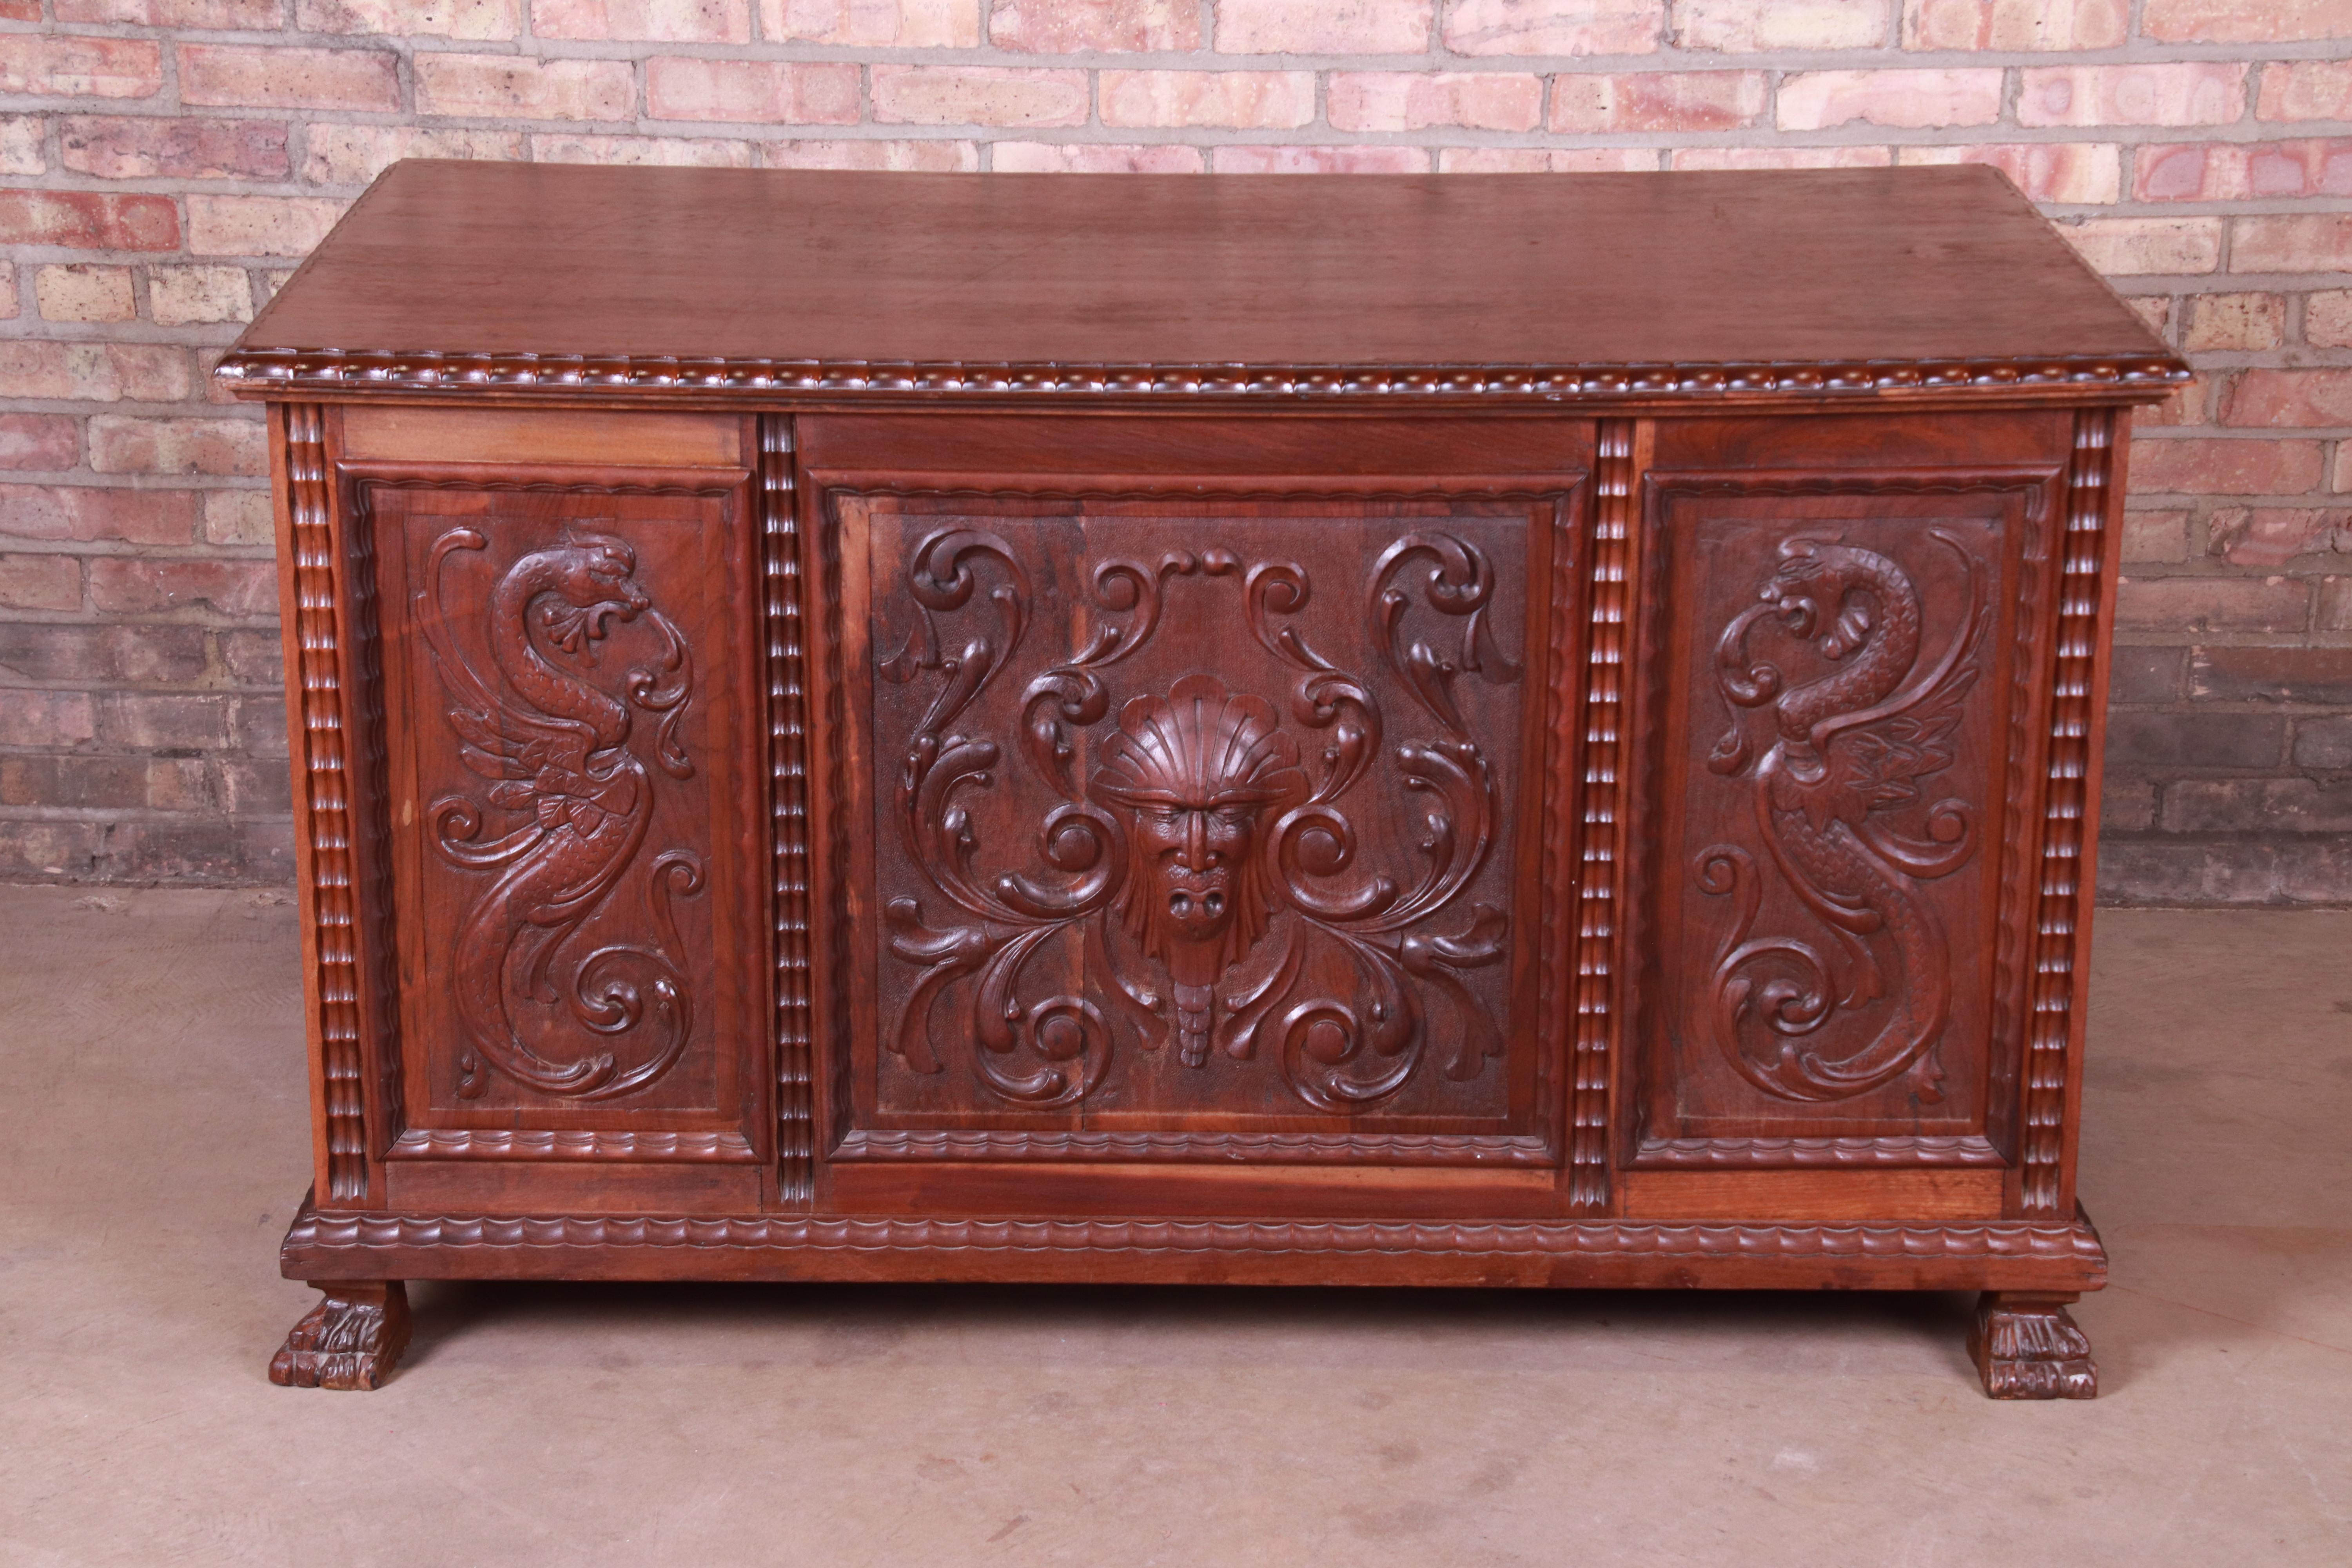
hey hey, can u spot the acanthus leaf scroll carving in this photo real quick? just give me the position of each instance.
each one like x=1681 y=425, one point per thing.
x=554 y=736
x=1208 y=851
x=1843 y=752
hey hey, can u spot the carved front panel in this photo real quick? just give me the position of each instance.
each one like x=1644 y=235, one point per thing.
x=569 y=801
x=1834 y=760
x=1205 y=819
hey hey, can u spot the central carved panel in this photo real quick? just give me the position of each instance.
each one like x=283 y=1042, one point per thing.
x=1201 y=816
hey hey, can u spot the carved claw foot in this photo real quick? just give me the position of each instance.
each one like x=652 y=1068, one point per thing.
x=351 y=1340
x=2028 y=1347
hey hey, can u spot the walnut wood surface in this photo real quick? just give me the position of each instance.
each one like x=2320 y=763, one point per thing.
x=1808 y=281
x=798 y=837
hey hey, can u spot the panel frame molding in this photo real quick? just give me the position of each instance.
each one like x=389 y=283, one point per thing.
x=1566 y=495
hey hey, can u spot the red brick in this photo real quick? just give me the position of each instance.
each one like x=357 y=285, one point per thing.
x=2086 y=174
x=354 y=154
x=2291 y=397
x=29 y=717
x=883 y=24
x=2313 y=675
x=2246 y=21
x=2304 y=89
x=53 y=650
x=1780 y=158
x=1318 y=160
x=512 y=87
x=119 y=147
x=21 y=144
x=130 y=584
x=476 y=20
x=1109 y=26
x=2213 y=604
x=1261 y=100
x=88 y=220
x=2235 y=323
x=1416 y=101
x=161 y=784
x=1820 y=100
x=672 y=151
x=644 y=21
x=220 y=74
x=765 y=92
x=259 y=226
x=183 y=296
x=1554 y=26
x=254 y=659
x=1095 y=158
x=121 y=445
x=213 y=16
x=41 y=582
x=1545 y=160
x=2238 y=171
x=55 y=67
x=2327 y=320
x=2181 y=405
x=940 y=156
x=39 y=441
x=1323 y=27
x=1750 y=26
x=84 y=292
x=148 y=723
x=2210 y=466
x=978 y=95
x=94 y=372
x=240 y=517
x=89 y=511
x=2334 y=612
x=20 y=10
x=2142 y=246
x=2190 y=92
x=1657 y=101
x=2151 y=536
x=2292 y=242
x=2015 y=24
x=2273 y=536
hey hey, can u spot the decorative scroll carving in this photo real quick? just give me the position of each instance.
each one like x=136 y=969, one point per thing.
x=329 y=788
x=351 y=1340
x=2029 y=1347
x=1846 y=747
x=1204 y=846
x=788 y=765
x=2058 y=913
x=555 y=742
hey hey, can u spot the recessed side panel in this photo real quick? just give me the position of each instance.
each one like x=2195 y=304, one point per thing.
x=1838 y=692
x=575 y=809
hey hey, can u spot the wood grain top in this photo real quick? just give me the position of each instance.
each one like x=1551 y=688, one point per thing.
x=556 y=276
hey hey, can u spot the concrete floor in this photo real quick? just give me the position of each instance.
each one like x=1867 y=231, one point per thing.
x=153 y=1142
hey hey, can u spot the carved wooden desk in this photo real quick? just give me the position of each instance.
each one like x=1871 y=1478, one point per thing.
x=1515 y=730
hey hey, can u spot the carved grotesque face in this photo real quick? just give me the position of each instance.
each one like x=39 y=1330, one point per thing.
x=1196 y=770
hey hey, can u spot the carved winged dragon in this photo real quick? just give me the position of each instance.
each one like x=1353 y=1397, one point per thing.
x=1848 y=751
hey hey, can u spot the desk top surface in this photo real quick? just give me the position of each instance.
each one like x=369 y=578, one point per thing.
x=1930 y=266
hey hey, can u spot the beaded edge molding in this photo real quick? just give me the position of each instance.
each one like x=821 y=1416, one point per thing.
x=264 y=371
x=314 y=1231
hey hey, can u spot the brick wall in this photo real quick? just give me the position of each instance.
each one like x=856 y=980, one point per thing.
x=163 y=163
